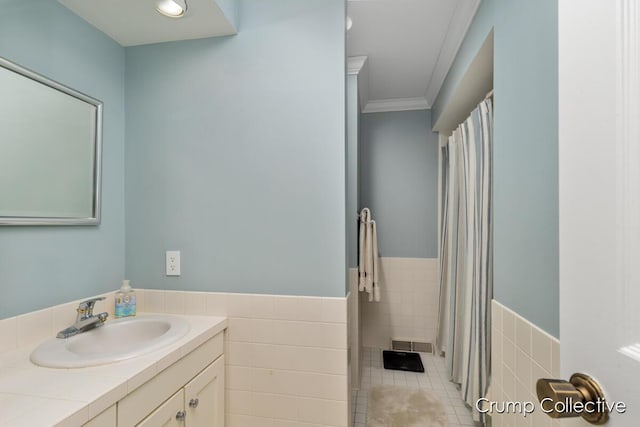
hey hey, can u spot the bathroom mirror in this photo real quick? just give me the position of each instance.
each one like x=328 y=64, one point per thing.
x=50 y=145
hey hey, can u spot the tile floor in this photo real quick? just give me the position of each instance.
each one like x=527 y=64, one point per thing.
x=434 y=378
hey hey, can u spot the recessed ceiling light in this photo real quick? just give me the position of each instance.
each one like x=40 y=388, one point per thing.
x=349 y=23
x=172 y=8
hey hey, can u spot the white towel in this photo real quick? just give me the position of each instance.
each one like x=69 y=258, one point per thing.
x=368 y=260
x=374 y=252
x=364 y=220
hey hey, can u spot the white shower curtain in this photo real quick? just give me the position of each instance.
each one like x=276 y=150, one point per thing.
x=466 y=274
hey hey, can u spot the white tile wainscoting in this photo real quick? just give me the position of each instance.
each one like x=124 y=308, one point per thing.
x=286 y=356
x=354 y=339
x=31 y=328
x=521 y=353
x=408 y=307
x=354 y=324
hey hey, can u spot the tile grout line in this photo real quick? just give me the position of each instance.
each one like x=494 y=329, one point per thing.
x=433 y=379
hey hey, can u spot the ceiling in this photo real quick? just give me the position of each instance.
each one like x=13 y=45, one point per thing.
x=142 y=24
x=410 y=46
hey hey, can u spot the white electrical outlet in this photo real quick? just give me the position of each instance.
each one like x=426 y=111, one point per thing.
x=173 y=263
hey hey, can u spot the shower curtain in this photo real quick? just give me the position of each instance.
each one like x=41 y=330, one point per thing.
x=466 y=274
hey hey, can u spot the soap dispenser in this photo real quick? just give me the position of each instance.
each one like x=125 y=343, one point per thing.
x=125 y=300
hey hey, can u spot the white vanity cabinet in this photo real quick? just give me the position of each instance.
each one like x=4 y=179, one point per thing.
x=187 y=393
x=169 y=414
x=199 y=404
x=204 y=397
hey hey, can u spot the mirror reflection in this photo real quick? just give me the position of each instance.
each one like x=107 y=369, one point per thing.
x=49 y=151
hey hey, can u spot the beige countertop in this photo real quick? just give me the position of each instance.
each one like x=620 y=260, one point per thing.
x=33 y=396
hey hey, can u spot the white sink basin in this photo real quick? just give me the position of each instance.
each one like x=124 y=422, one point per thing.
x=116 y=340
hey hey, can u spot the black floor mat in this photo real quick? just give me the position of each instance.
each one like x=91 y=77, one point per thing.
x=402 y=361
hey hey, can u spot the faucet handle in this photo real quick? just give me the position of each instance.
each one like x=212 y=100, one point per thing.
x=86 y=307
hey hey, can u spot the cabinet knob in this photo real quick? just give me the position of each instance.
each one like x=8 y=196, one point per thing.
x=181 y=415
x=193 y=403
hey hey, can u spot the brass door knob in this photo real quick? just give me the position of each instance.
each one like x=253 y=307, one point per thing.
x=580 y=396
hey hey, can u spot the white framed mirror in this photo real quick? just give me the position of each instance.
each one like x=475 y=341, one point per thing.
x=50 y=151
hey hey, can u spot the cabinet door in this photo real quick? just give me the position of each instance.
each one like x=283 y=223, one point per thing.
x=165 y=414
x=204 y=397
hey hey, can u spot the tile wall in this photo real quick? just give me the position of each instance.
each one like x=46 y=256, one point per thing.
x=521 y=353
x=286 y=356
x=408 y=307
x=31 y=328
x=354 y=345
x=353 y=322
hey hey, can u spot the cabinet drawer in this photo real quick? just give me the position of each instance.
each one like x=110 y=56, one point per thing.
x=141 y=402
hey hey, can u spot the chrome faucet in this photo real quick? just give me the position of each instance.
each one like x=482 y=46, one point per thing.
x=85 y=320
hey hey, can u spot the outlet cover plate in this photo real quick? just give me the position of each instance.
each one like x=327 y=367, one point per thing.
x=173 y=263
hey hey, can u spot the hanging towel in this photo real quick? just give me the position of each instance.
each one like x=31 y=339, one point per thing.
x=364 y=220
x=368 y=261
x=374 y=245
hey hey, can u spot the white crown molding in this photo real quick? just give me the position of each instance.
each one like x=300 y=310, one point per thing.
x=458 y=27
x=355 y=64
x=358 y=66
x=397 y=104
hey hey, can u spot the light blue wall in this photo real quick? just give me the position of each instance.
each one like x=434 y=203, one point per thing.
x=353 y=123
x=43 y=266
x=399 y=181
x=525 y=151
x=236 y=154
